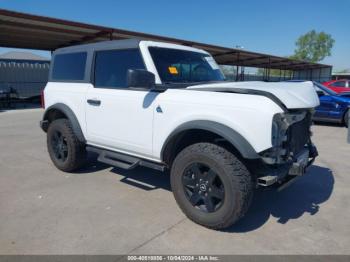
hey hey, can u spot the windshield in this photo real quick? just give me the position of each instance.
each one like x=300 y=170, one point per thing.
x=324 y=89
x=181 y=66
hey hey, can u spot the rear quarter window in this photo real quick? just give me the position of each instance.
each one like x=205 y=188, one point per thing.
x=70 y=67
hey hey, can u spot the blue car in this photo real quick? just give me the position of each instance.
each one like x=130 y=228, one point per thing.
x=333 y=107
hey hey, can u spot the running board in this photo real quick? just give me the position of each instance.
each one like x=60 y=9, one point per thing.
x=122 y=160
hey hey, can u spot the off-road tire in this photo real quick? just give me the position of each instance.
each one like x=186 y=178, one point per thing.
x=237 y=181
x=76 y=156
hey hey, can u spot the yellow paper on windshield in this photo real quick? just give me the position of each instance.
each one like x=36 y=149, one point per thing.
x=173 y=70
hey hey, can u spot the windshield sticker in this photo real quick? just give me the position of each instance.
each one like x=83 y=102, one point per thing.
x=211 y=62
x=173 y=70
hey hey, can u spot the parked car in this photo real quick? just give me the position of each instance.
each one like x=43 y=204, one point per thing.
x=333 y=107
x=338 y=86
x=167 y=106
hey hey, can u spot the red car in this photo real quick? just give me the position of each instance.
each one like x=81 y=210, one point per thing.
x=339 y=86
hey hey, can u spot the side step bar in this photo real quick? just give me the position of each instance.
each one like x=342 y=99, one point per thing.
x=122 y=160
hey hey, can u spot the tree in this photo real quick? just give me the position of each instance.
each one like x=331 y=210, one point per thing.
x=313 y=46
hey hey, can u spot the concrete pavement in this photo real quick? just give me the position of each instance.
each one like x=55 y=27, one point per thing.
x=104 y=210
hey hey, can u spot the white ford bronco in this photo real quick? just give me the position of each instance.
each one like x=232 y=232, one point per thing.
x=169 y=107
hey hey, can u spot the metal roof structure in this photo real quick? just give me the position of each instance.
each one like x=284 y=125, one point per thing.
x=15 y=55
x=21 y=30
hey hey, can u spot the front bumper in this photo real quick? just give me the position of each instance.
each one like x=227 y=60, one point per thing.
x=284 y=174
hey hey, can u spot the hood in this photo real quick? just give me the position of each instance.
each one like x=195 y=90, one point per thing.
x=293 y=95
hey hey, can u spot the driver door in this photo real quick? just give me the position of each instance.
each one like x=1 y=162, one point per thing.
x=118 y=117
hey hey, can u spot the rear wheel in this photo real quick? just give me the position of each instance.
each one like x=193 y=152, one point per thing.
x=211 y=185
x=66 y=151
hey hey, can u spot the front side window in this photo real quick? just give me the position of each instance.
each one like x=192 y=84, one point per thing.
x=69 y=66
x=111 y=67
x=182 y=66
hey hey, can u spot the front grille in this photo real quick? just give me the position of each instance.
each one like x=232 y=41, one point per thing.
x=299 y=135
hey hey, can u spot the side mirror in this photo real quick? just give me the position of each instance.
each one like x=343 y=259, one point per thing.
x=320 y=93
x=140 y=78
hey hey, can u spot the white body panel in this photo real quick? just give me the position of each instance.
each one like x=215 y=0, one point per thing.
x=127 y=121
x=123 y=121
x=72 y=95
x=250 y=116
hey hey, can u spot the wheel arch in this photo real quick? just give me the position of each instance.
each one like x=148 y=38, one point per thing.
x=58 y=111
x=211 y=128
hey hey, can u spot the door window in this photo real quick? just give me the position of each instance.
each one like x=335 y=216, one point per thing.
x=111 y=67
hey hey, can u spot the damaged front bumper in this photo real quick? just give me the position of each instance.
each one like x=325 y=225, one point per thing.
x=284 y=175
x=292 y=150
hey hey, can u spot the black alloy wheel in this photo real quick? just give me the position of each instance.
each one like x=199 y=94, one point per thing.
x=203 y=187
x=59 y=146
x=66 y=151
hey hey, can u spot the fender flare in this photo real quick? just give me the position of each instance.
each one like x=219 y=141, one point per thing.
x=236 y=139
x=70 y=116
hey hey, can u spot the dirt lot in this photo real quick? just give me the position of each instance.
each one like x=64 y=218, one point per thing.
x=104 y=210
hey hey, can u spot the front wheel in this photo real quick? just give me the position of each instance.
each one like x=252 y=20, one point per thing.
x=211 y=185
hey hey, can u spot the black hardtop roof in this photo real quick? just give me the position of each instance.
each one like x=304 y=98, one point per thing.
x=114 y=44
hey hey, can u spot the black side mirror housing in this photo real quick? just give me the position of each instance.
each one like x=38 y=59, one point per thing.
x=140 y=78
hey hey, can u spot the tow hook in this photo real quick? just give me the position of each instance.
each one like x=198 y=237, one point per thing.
x=267 y=180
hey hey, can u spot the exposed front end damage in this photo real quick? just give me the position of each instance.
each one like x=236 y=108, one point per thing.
x=292 y=151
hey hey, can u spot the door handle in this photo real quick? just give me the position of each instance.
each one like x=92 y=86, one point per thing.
x=94 y=102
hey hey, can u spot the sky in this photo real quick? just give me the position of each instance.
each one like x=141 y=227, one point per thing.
x=269 y=26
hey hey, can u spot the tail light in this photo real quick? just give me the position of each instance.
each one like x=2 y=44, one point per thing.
x=42 y=99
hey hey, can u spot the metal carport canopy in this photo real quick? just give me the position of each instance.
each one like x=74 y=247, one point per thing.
x=21 y=30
